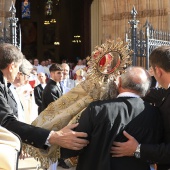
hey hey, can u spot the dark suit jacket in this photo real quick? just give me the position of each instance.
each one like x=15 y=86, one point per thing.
x=51 y=93
x=160 y=153
x=104 y=121
x=38 y=90
x=29 y=134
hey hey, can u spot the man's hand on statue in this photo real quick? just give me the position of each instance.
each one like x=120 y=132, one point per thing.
x=67 y=138
x=23 y=155
x=128 y=148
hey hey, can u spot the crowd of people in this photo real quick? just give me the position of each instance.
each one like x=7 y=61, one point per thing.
x=45 y=83
x=28 y=87
x=129 y=132
x=13 y=63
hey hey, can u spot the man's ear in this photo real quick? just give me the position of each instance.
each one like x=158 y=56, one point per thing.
x=10 y=67
x=51 y=74
x=158 y=71
x=119 y=82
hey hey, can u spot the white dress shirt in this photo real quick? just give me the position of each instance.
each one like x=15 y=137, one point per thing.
x=128 y=94
x=21 y=115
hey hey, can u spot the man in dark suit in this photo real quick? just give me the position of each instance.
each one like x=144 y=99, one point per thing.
x=53 y=89
x=10 y=61
x=52 y=92
x=104 y=122
x=158 y=153
x=38 y=90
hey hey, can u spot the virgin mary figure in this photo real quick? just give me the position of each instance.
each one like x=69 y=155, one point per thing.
x=97 y=86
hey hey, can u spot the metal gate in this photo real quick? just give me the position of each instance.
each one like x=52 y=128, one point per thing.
x=13 y=33
x=143 y=41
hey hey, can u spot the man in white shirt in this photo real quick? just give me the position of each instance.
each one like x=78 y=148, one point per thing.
x=21 y=115
x=67 y=83
x=19 y=81
x=39 y=68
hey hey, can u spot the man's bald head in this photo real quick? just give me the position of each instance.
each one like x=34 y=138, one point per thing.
x=42 y=77
x=66 y=70
x=137 y=80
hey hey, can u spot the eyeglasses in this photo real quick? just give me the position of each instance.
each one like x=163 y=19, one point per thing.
x=21 y=73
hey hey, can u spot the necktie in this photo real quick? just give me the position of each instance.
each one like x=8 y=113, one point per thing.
x=61 y=85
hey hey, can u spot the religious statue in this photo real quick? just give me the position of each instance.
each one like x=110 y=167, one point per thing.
x=97 y=86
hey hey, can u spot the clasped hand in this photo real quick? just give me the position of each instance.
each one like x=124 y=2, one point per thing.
x=128 y=148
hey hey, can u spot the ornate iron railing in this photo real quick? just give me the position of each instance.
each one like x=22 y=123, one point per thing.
x=143 y=41
x=13 y=33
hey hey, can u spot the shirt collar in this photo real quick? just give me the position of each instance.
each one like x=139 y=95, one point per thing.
x=128 y=94
x=58 y=84
x=43 y=85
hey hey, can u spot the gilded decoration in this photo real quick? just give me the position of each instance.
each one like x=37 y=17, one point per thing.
x=105 y=64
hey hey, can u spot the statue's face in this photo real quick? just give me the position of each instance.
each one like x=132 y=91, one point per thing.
x=109 y=62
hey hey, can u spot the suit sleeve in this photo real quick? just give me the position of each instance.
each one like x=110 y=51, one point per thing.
x=85 y=125
x=50 y=94
x=155 y=95
x=29 y=134
x=158 y=153
x=38 y=98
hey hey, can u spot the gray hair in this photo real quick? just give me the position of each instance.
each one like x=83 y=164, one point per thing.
x=26 y=67
x=136 y=79
x=8 y=54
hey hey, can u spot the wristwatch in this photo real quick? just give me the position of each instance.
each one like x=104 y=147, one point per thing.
x=137 y=152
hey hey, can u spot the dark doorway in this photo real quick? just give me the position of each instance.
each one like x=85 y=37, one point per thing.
x=66 y=38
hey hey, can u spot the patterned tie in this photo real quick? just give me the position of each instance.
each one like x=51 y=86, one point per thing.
x=61 y=85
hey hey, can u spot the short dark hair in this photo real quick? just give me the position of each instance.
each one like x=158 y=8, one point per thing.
x=55 y=67
x=8 y=54
x=160 y=57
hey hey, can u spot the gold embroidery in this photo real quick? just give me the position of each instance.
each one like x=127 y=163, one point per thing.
x=68 y=108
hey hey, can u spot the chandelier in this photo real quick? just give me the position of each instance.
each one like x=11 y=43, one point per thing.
x=49 y=7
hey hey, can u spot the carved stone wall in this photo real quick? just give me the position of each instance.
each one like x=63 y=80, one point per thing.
x=116 y=14
x=4 y=11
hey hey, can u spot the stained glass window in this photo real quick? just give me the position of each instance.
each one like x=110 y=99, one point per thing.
x=26 y=9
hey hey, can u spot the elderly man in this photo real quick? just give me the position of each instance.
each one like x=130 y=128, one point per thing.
x=153 y=153
x=104 y=122
x=66 y=83
x=18 y=91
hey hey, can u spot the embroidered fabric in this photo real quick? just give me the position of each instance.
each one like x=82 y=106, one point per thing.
x=68 y=108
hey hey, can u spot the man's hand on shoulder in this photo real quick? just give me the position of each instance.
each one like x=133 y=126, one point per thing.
x=67 y=138
x=128 y=148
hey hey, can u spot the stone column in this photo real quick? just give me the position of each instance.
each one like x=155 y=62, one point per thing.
x=2 y=12
x=7 y=6
x=5 y=14
x=168 y=11
x=96 y=24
